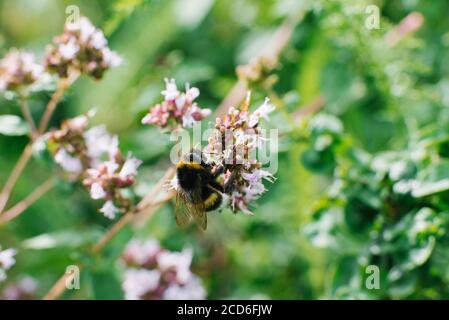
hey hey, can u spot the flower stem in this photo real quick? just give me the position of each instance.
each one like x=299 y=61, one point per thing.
x=58 y=288
x=63 y=85
x=14 y=176
x=27 y=152
x=20 y=207
x=27 y=115
x=145 y=203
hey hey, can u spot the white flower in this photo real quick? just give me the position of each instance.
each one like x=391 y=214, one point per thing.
x=109 y=210
x=130 y=167
x=261 y=112
x=93 y=173
x=67 y=162
x=79 y=122
x=171 y=90
x=180 y=102
x=188 y=121
x=113 y=149
x=140 y=252
x=192 y=93
x=178 y=261
x=7 y=259
x=265 y=109
x=138 y=282
x=100 y=142
x=30 y=66
x=97 y=191
x=28 y=285
x=86 y=29
x=111 y=58
x=111 y=166
x=193 y=290
x=2 y=84
x=68 y=51
x=98 y=40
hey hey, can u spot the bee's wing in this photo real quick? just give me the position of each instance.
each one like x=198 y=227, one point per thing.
x=200 y=215
x=197 y=209
x=182 y=212
x=186 y=211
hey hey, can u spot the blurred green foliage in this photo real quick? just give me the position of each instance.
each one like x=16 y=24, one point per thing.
x=363 y=182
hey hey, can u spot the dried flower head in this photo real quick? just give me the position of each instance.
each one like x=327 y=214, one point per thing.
x=178 y=108
x=82 y=48
x=93 y=157
x=156 y=273
x=19 y=71
x=258 y=70
x=7 y=260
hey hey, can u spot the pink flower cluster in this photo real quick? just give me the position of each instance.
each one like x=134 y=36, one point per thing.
x=178 y=107
x=19 y=71
x=106 y=181
x=153 y=272
x=93 y=157
x=7 y=260
x=232 y=148
x=82 y=48
x=24 y=289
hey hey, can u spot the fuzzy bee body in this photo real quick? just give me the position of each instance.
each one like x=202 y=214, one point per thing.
x=198 y=190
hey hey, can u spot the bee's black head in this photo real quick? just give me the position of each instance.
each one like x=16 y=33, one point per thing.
x=188 y=175
x=189 y=170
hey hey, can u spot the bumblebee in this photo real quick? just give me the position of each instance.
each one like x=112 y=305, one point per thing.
x=198 y=190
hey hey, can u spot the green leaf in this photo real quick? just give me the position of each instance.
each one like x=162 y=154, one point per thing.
x=66 y=238
x=319 y=162
x=106 y=285
x=11 y=125
x=418 y=256
x=404 y=286
x=433 y=180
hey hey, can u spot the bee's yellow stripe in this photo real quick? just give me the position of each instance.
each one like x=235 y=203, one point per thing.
x=210 y=201
x=191 y=165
